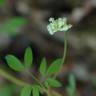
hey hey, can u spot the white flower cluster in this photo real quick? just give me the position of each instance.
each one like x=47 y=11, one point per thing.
x=59 y=24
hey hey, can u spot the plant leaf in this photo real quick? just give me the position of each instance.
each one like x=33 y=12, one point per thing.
x=28 y=57
x=35 y=91
x=26 y=91
x=53 y=82
x=43 y=67
x=54 y=67
x=14 y=63
x=11 y=27
x=39 y=88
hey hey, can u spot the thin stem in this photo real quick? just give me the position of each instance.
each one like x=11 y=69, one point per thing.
x=19 y=82
x=65 y=48
x=35 y=78
x=9 y=77
x=44 y=89
x=64 y=53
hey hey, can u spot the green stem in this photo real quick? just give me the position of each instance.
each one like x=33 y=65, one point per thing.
x=9 y=77
x=64 y=53
x=43 y=87
x=65 y=48
x=35 y=79
x=19 y=82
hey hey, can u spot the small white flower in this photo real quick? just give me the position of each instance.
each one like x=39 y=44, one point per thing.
x=59 y=24
x=50 y=29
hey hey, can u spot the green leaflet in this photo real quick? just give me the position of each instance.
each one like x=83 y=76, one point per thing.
x=52 y=83
x=43 y=67
x=54 y=67
x=35 y=91
x=28 y=57
x=26 y=91
x=14 y=63
x=39 y=88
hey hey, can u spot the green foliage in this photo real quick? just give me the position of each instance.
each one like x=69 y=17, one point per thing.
x=43 y=67
x=26 y=91
x=39 y=88
x=35 y=90
x=2 y=2
x=51 y=82
x=12 y=25
x=55 y=67
x=14 y=63
x=28 y=57
x=71 y=89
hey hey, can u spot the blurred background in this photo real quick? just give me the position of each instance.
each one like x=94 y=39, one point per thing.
x=81 y=55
